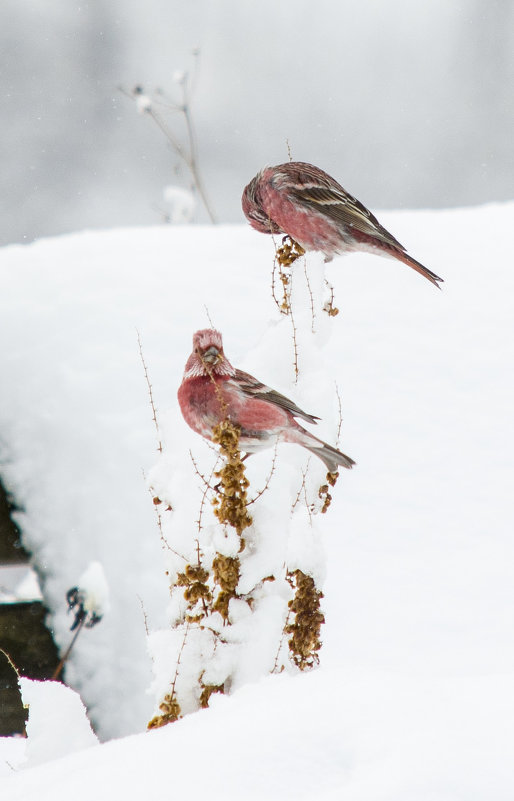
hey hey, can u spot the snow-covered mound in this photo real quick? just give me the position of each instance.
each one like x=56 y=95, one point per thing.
x=333 y=735
x=418 y=539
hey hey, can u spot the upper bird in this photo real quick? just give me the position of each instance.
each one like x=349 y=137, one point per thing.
x=305 y=203
x=213 y=391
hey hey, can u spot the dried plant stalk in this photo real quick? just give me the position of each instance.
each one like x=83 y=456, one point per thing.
x=305 y=642
x=170 y=709
x=323 y=492
x=231 y=501
x=289 y=252
x=230 y=507
x=208 y=690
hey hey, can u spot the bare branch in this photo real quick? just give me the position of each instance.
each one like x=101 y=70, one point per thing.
x=340 y=423
x=328 y=306
x=145 y=617
x=188 y=154
x=268 y=479
x=208 y=316
x=147 y=378
x=313 y=314
x=295 y=347
x=275 y=668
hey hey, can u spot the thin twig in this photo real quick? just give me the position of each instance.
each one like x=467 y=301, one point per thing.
x=207 y=487
x=10 y=662
x=208 y=316
x=206 y=482
x=268 y=479
x=147 y=378
x=313 y=314
x=328 y=306
x=295 y=346
x=61 y=664
x=273 y=295
x=340 y=415
x=145 y=617
x=281 y=643
x=189 y=155
x=175 y=677
x=298 y=495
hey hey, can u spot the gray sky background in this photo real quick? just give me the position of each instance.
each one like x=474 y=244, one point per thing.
x=408 y=105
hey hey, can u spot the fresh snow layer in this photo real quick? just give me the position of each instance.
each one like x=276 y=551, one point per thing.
x=330 y=735
x=414 y=696
x=57 y=724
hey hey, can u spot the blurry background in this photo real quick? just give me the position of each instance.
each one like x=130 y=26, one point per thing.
x=406 y=104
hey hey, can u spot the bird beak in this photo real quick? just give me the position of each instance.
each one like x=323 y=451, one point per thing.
x=212 y=355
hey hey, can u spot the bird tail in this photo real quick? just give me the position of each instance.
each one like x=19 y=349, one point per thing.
x=329 y=455
x=401 y=255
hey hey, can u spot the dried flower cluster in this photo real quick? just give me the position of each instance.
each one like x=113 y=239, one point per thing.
x=305 y=642
x=289 y=252
x=323 y=492
x=170 y=709
x=231 y=500
x=209 y=586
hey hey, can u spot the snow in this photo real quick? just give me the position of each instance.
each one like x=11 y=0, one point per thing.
x=414 y=695
x=93 y=594
x=57 y=724
x=18 y=583
x=181 y=204
x=333 y=734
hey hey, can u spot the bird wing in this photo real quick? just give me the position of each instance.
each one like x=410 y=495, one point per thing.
x=253 y=388
x=323 y=194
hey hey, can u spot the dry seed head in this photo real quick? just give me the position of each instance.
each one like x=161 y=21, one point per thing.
x=208 y=690
x=170 y=709
x=226 y=575
x=231 y=501
x=305 y=640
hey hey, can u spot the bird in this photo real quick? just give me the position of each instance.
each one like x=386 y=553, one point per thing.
x=212 y=390
x=308 y=205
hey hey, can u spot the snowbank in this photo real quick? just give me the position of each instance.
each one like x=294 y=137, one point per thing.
x=418 y=655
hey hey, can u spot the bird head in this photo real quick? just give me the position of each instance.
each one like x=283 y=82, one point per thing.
x=207 y=357
x=253 y=210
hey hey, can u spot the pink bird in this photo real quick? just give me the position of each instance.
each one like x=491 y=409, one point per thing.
x=305 y=203
x=212 y=391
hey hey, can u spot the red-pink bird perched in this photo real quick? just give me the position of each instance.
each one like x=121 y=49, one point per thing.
x=305 y=203
x=212 y=391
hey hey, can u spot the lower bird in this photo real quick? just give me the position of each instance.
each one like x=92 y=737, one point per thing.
x=213 y=391
x=313 y=209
